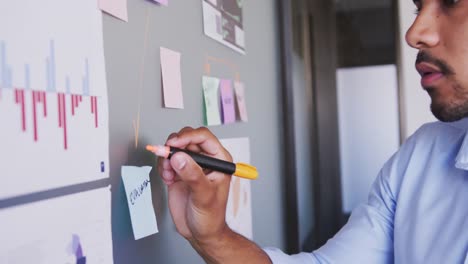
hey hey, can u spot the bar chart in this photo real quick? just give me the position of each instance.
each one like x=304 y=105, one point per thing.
x=53 y=96
x=39 y=98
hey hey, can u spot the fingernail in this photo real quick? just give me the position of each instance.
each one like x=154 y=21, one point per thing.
x=172 y=140
x=179 y=161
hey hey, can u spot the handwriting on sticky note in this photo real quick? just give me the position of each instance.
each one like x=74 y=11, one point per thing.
x=138 y=191
x=227 y=99
x=210 y=93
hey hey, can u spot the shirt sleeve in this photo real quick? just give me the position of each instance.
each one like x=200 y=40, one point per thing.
x=368 y=235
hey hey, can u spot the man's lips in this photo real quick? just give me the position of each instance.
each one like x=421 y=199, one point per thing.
x=429 y=73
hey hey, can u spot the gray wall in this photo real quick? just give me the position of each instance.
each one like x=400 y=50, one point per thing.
x=179 y=27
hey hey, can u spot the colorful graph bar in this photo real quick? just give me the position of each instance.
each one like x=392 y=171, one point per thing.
x=86 y=79
x=39 y=97
x=50 y=61
x=6 y=72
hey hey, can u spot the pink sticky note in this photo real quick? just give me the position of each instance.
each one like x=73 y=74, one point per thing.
x=227 y=100
x=117 y=8
x=172 y=81
x=162 y=2
x=240 y=96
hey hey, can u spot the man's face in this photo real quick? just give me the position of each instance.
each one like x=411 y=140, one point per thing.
x=440 y=33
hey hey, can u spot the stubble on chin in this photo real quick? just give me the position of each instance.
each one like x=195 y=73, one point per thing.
x=451 y=109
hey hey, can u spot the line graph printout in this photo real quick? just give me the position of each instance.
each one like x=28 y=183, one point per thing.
x=75 y=228
x=53 y=95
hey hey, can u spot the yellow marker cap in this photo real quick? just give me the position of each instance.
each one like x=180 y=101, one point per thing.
x=246 y=171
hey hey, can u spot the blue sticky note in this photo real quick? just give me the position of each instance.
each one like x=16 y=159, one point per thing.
x=138 y=191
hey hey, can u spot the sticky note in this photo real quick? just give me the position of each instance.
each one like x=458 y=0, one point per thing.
x=138 y=191
x=240 y=97
x=117 y=8
x=227 y=102
x=162 y=2
x=210 y=93
x=171 y=76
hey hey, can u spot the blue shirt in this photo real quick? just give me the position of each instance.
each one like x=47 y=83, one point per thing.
x=417 y=210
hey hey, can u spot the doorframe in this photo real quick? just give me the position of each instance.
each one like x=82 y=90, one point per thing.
x=328 y=216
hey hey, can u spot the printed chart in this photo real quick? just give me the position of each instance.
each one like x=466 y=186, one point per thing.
x=70 y=229
x=53 y=96
x=223 y=22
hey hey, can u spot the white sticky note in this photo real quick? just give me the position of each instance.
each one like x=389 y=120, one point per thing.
x=172 y=80
x=138 y=191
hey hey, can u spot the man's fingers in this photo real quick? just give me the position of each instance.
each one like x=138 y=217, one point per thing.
x=166 y=172
x=172 y=135
x=201 y=137
x=178 y=208
x=193 y=176
x=191 y=147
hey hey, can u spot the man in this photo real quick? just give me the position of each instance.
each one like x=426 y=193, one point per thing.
x=417 y=210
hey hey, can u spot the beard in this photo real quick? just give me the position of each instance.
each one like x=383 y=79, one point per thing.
x=446 y=107
x=452 y=109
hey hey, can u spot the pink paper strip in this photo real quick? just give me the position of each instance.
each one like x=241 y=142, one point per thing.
x=172 y=80
x=240 y=96
x=117 y=8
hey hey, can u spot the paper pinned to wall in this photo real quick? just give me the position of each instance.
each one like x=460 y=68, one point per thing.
x=210 y=93
x=239 y=206
x=60 y=87
x=117 y=8
x=74 y=228
x=227 y=100
x=138 y=191
x=240 y=97
x=172 y=80
x=162 y=2
x=223 y=22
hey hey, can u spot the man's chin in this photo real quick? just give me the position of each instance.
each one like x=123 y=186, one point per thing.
x=447 y=113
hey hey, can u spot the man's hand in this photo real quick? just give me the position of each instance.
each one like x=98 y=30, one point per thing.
x=197 y=201
x=198 y=198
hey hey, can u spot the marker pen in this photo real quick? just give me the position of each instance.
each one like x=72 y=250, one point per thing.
x=239 y=169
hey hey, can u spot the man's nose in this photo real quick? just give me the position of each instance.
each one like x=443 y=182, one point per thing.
x=424 y=33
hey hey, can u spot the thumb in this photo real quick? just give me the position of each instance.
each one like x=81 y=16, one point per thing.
x=192 y=174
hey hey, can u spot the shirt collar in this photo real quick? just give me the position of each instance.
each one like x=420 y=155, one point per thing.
x=460 y=124
x=461 y=161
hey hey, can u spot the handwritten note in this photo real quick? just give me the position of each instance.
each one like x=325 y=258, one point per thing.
x=171 y=76
x=227 y=100
x=117 y=8
x=210 y=92
x=240 y=96
x=138 y=191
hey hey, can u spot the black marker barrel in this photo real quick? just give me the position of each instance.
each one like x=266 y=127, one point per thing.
x=207 y=162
